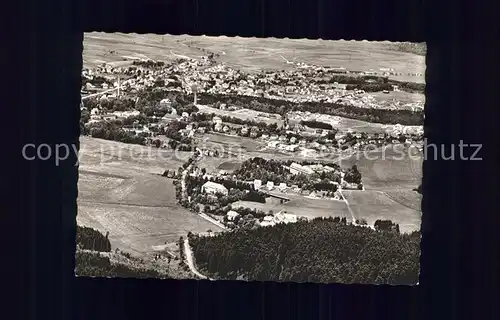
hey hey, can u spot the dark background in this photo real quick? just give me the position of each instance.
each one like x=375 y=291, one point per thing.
x=43 y=45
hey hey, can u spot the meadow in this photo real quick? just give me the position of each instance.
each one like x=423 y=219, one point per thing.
x=301 y=206
x=122 y=193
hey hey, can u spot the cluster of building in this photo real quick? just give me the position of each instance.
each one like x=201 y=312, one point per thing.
x=97 y=115
x=297 y=85
x=268 y=220
x=280 y=217
x=205 y=75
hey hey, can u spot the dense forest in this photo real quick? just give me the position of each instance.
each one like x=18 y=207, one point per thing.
x=91 y=239
x=148 y=63
x=322 y=250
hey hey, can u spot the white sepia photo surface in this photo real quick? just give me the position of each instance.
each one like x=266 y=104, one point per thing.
x=254 y=159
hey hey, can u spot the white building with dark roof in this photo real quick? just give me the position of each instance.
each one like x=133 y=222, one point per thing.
x=296 y=168
x=214 y=188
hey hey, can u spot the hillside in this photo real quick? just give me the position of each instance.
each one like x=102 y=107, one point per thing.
x=323 y=250
x=415 y=48
x=252 y=54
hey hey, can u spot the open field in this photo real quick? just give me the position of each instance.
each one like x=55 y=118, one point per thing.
x=301 y=206
x=389 y=184
x=121 y=158
x=372 y=205
x=402 y=96
x=382 y=170
x=229 y=143
x=408 y=198
x=253 y=54
x=139 y=228
x=123 y=195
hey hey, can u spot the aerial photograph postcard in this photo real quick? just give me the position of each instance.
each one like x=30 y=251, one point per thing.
x=250 y=159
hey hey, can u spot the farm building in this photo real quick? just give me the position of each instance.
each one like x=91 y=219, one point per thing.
x=244 y=130
x=214 y=188
x=266 y=223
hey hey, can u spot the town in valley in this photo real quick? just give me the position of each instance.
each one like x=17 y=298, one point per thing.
x=250 y=159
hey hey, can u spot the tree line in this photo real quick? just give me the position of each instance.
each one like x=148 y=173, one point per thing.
x=323 y=250
x=316 y=124
x=148 y=63
x=386 y=116
x=110 y=131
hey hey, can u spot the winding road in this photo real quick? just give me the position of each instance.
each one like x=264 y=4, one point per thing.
x=190 y=260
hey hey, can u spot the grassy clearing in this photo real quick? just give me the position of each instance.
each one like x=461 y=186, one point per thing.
x=301 y=206
x=127 y=159
x=408 y=198
x=230 y=165
x=388 y=183
x=385 y=172
x=253 y=54
x=230 y=143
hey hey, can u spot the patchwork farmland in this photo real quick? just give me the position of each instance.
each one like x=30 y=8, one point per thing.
x=126 y=197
